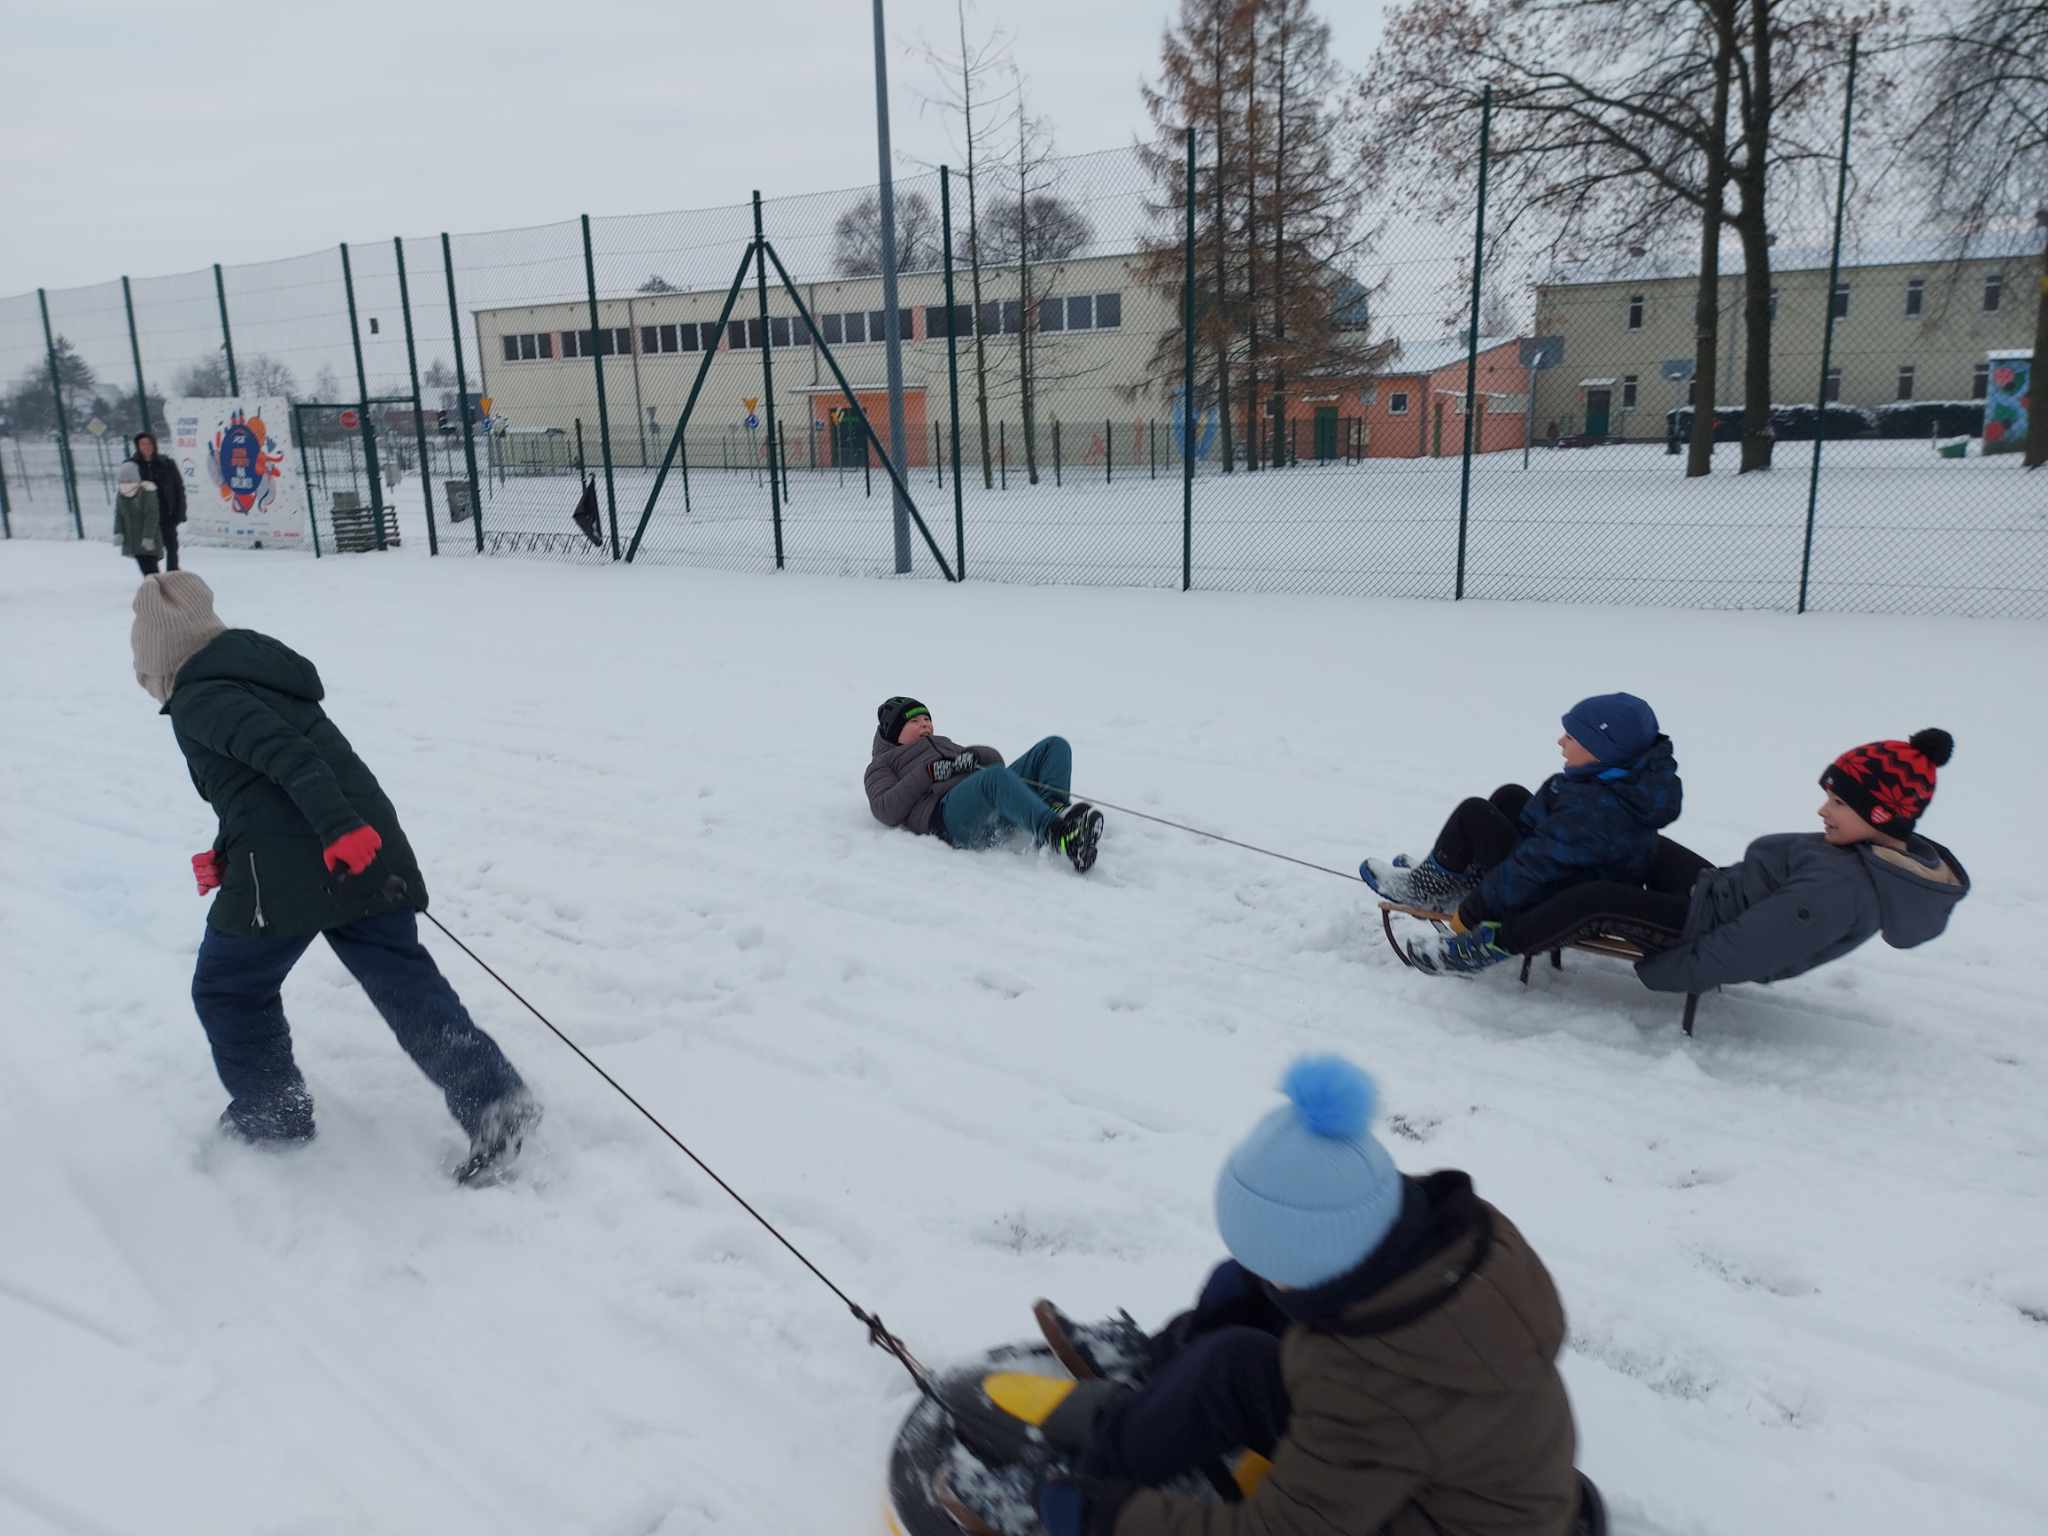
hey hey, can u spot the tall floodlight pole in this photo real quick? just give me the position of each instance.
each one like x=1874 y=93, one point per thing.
x=891 y=310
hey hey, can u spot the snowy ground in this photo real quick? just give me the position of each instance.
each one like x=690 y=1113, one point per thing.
x=1899 y=529
x=1805 y=1255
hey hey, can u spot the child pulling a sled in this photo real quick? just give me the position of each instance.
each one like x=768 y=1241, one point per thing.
x=1388 y=1344
x=966 y=796
x=1498 y=858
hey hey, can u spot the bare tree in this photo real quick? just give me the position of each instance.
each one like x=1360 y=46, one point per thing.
x=1044 y=229
x=1979 y=146
x=438 y=375
x=857 y=236
x=656 y=283
x=1205 y=83
x=970 y=85
x=1603 y=138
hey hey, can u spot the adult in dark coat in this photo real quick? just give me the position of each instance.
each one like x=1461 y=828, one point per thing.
x=308 y=847
x=170 y=494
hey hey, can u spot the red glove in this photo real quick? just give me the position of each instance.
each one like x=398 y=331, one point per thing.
x=206 y=871
x=353 y=852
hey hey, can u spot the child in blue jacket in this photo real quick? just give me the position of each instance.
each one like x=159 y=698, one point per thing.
x=1508 y=853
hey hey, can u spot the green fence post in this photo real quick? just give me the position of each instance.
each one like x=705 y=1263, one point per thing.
x=227 y=340
x=306 y=474
x=1827 y=345
x=1187 y=385
x=604 y=414
x=64 y=465
x=135 y=350
x=419 y=420
x=1472 y=340
x=6 y=521
x=365 y=425
x=768 y=376
x=953 y=375
x=476 y=501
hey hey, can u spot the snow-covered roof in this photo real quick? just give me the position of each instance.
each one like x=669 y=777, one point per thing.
x=1428 y=356
x=1867 y=250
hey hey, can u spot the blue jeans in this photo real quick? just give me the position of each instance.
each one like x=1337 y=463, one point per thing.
x=996 y=801
x=235 y=988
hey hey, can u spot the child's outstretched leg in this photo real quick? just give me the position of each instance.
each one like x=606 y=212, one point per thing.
x=991 y=802
x=1477 y=835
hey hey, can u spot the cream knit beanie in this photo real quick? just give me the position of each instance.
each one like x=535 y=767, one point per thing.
x=173 y=619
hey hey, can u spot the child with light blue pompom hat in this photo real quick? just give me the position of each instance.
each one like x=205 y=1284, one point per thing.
x=1386 y=1343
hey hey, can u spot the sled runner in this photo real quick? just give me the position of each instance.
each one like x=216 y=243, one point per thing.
x=1613 y=945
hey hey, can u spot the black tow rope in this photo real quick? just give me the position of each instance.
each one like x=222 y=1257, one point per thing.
x=1181 y=826
x=878 y=1334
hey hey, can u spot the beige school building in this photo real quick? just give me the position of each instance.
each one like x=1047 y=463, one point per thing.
x=1910 y=324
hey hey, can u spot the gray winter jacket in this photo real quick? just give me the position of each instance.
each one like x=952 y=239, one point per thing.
x=906 y=784
x=1796 y=902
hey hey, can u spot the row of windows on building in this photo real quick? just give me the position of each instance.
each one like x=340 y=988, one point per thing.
x=1992 y=299
x=1907 y=386
x=1072 y=312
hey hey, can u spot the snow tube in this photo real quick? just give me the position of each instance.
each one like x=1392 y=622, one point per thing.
x=926 y=1446
x=927 y=1451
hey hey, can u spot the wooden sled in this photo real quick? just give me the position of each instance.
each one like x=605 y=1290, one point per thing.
x=1612 y=945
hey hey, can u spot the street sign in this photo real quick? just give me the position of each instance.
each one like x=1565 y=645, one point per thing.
x=350 y=421
x=1675 y=370
x=483 y=405
x=750 y=401
x=1540 y=352
x=96 y=427
x=753 y=421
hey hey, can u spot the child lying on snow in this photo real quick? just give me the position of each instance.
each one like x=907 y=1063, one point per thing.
x=1499 y=857
x=1388 y=1343
x=1796 y=901
x=966 y=796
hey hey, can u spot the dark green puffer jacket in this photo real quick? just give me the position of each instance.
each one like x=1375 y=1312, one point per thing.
x=285 y=784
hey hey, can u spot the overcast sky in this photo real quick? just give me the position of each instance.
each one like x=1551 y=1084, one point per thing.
x=143 y=138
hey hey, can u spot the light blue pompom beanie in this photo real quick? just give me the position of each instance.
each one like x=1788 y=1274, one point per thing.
x=1309 y=1194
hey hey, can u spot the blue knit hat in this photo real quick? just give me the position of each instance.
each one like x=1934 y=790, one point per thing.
x=1310 y=1194
x=1615 y=727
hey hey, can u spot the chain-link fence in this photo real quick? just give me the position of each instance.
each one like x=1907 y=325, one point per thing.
x=1128 y=368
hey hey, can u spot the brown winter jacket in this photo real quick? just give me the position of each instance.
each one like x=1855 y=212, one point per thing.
x=906 y=784
x=1431 y=1407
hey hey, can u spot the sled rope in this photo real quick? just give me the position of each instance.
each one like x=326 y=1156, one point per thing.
x=1181 y=826
x=878 y=1335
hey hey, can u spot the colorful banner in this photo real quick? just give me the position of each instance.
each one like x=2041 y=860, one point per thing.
x=2007 y=402
x=242 y=482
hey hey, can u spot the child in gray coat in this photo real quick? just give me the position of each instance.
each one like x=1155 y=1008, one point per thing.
x=1800 y=899
x=966 y=796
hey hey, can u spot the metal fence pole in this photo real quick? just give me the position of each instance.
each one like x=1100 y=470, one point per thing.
x=476 y=501
x=64 y=465
x=1187 y=385
x=305 y=474
x=419 y=420
x=366 y=425
x=6 y=521
x=1472 y=341
x=1827 y=345
x=135 y=351
x=953 y=374
x=767 y=374
x=227 y=340
x=604 y=414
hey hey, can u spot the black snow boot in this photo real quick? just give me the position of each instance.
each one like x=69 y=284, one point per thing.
x=1075 y=832
x=501 y=1131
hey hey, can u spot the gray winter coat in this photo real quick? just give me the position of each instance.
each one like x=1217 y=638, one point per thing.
x=906 y=784
x=1796 y=902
